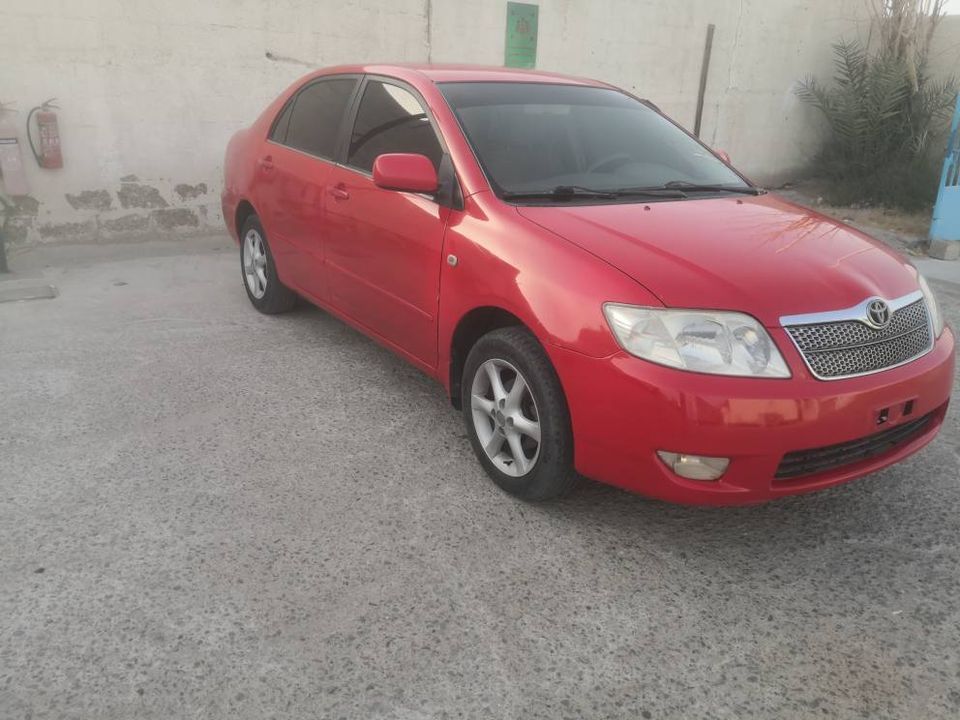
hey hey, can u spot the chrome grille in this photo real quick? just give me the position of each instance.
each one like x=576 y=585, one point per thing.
x=848 y=346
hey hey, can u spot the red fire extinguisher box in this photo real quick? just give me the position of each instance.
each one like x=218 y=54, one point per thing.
x=49 y=155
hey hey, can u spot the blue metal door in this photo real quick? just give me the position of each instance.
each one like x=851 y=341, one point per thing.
x=946 y=213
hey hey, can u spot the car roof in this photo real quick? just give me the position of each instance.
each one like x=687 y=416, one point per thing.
x=440 y=73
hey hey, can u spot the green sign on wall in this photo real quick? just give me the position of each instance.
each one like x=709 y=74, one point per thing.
x=521 y=46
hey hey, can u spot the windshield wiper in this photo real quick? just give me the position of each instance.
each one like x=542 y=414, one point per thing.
x=573 y=192
x=560 y=192
x=694 y=187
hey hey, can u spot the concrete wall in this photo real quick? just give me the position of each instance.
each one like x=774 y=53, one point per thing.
x=945 y=49
x=151 y=91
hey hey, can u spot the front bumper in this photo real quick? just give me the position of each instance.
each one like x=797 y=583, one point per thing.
x=624 y=409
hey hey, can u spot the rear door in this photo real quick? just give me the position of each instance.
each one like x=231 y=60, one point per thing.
x=294 y=169
x=383 y=247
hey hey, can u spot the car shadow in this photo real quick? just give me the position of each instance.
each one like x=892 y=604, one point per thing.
x=801 y=536
x=877 y=509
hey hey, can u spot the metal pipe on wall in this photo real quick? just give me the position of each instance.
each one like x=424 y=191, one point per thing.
x=704 y=71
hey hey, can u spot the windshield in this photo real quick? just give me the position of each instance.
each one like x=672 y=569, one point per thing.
x=532 y=137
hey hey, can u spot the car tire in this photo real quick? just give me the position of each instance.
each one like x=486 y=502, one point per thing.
x=503 y=421
x=259 y=272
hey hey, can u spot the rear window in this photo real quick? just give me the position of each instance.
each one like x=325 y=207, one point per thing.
x=280 y=125
x=316 y=115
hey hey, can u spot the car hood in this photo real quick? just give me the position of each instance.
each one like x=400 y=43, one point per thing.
x=760 y=255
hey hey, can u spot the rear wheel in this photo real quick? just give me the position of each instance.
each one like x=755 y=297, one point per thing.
x=516 y=415
x=263 y=286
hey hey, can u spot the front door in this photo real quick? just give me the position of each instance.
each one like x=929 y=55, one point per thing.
x=384 y=248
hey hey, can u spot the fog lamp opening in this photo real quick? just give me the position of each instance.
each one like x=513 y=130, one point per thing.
x=694 y=467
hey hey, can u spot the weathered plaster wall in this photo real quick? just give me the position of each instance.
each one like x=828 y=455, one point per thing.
x=151 y=91
x=945 y=49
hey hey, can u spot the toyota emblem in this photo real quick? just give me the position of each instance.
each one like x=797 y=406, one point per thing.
x=878 y=314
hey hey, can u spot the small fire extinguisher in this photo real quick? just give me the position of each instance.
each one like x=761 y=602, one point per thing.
x=12 y=172
x=49 y=155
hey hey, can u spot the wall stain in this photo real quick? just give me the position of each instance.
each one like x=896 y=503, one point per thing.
x=18 y=229
x=58 y=231
x=20 y=219
x=96 y=214
x=26 y=205
x=135 y=195
x=188 y=192
x=90 y=200
x=126 y=224
x=175 y=217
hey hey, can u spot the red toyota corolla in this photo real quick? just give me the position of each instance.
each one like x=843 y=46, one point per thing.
x=599 y=292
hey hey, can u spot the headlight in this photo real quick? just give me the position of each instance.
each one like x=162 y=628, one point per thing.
x=933 y=307
x=722 y=343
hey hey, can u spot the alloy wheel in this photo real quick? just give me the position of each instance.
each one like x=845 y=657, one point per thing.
x=505 y=417
x=255 y=263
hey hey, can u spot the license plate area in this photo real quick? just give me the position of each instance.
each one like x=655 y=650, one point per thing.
x=893 y=413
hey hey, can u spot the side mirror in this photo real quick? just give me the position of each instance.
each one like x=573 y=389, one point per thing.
x=408 y=172
x=723 y=155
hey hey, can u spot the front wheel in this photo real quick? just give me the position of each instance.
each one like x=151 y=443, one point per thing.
x=516 y=415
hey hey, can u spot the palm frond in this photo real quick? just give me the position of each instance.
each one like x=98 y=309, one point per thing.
x=883 y=113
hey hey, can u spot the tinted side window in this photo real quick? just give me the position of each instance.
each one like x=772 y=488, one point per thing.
x=316 y=116
x=391 y=120
x=279 y=132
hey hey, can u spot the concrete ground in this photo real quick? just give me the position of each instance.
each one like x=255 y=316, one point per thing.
x=210 y=513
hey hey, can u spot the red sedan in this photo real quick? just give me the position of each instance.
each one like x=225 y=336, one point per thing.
x=599 y=292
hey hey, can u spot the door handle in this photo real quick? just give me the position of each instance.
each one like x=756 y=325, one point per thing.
x=339 y=192
x=267 y=163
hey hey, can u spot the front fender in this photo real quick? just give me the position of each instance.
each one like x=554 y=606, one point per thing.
x=554 y=287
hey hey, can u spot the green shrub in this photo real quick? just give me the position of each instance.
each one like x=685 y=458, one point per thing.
x=885 y=121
